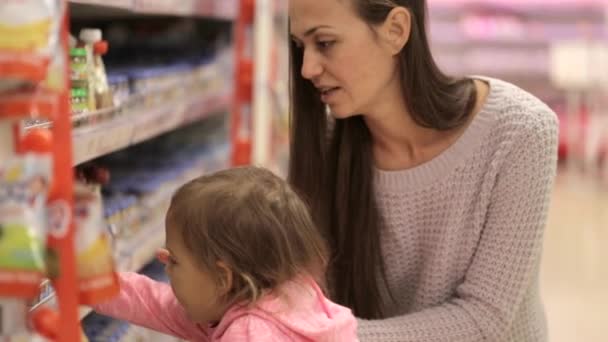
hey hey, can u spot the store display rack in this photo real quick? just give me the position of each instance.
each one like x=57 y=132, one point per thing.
x=220 y=9
x=510 y=39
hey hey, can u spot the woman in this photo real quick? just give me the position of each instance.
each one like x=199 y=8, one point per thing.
x=432 y=190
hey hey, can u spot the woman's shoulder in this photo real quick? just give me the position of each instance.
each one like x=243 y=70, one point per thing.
x=516 y=111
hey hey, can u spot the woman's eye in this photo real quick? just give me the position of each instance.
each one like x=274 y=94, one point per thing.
x=325 y=44
x=172 y=261
x=297 y=44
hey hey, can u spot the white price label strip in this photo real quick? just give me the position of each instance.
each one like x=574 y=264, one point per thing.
x=98 y=141
x=182 y=7
x=126 y=4
x=161 y=121
x=226 y=8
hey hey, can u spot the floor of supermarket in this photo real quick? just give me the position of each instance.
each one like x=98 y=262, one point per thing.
x=574 y=272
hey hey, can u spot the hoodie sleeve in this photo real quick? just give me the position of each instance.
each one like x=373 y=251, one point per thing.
x=150 y=304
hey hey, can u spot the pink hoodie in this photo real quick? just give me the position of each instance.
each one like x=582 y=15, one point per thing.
x=307 y=315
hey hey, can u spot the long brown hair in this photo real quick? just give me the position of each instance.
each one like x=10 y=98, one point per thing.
x=253 y=222
x=332 y=167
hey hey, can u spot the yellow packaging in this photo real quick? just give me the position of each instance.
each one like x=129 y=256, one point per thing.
x=97 y=279
x=29 y=31
x=24 y=183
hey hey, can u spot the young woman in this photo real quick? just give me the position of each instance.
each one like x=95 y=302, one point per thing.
x=432 y=190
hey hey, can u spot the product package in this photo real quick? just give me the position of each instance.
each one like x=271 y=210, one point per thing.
x=24 y=184
x=28 y=34
x=97 y=278
x=31 y=69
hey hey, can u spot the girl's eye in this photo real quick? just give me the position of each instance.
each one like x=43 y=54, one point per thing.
x=172 y=261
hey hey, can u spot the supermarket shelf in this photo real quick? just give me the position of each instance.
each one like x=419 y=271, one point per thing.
x=98 y=140
x=537 y=9
x=220 y=9
x=565 y=4
x=133 y=253
x=143 y=246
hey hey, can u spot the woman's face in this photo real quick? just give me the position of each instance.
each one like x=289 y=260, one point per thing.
x=343 y=56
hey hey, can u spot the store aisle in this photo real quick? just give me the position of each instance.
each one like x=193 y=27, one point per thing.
x=575 y=263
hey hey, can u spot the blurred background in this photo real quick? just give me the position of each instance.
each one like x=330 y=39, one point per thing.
x=181 y=87
x=557 y=50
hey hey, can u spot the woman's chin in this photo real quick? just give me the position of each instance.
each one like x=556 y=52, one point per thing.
x=340 y=113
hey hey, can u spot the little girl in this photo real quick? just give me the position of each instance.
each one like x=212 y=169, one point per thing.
x=243 y=257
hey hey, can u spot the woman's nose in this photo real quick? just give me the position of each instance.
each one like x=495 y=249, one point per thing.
x=311 y=66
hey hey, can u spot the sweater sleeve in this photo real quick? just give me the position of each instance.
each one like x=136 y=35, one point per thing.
x=145 y=302
x=506 y=260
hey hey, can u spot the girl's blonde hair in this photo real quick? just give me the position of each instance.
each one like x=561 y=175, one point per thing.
x=253 y=222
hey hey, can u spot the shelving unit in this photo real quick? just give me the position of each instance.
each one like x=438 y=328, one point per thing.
x=140 y=125
x=510 y=39
x=85 y=137
x=523 y=42
x=220 y=9
x=270 y=104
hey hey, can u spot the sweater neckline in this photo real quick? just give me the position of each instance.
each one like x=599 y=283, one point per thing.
x=441 y=165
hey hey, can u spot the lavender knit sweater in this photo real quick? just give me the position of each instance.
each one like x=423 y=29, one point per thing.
x=464 y=231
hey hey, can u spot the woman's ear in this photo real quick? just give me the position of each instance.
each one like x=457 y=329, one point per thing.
x=397 y=28
x=225 y=278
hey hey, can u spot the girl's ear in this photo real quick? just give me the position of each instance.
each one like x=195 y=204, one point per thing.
x=225 y=278
x=163 y=256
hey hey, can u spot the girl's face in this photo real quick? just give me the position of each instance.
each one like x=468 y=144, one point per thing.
x=195 y=288
x=344 y=57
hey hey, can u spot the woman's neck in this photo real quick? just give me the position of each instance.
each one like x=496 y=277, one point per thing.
x=398 y=141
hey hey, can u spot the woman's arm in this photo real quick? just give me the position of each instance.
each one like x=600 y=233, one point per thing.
x=145 y=302
x=507 y=257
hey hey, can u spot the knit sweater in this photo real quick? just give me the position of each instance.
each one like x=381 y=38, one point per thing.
x=463 y=232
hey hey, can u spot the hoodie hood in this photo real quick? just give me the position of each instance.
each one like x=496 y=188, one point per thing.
x=300 y=310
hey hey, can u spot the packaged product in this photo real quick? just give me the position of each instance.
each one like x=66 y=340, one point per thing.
x=28 y=35
x=24 y=184
x=97 y=279
x=96 y=49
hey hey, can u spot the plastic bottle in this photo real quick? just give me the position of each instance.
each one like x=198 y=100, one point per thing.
x=93 y=38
